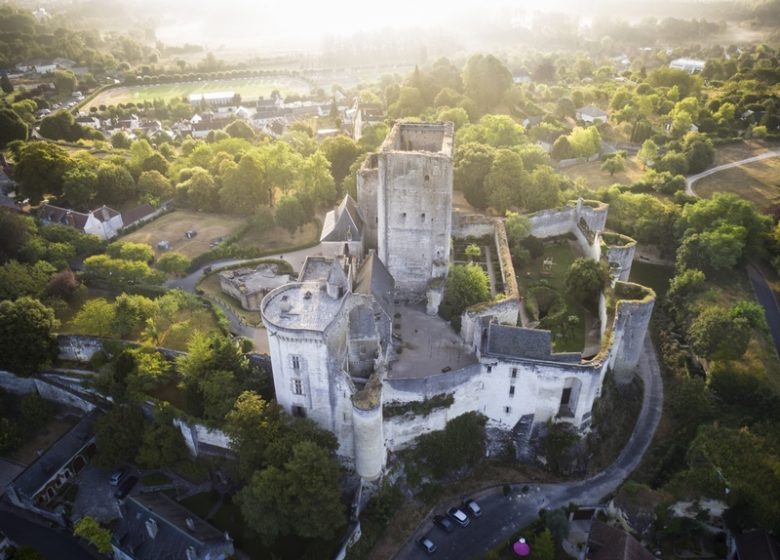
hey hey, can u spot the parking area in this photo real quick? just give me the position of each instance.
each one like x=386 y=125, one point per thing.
x=95 y=495
x=446 y=529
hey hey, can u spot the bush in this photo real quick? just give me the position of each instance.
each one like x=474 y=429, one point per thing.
x=461 y=444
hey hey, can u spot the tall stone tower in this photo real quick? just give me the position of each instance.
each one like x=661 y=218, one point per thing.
x=414 y=205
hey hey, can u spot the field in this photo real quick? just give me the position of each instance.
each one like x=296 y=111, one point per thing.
x=171 y=228
x=247 y=88
x=757 y=182
x=597 y=178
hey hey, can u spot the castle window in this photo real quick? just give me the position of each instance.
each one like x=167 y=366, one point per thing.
x=297 y=387
x=512 y=391
x=507 y=409
x=514 y=373
x=296 y=362
x=489 y=369
x=403 y=214
x=422 y=215
x=427 y=177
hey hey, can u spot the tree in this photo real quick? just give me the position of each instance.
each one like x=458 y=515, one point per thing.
x=245 y=187
x=557 y=522
x=239 y=129
x=63 y=285
x=90 y=530
x=585 y=142
x=699 y=152
x=715 y=334
x=12 y=127
x=542 y=191
x=5 y=84
x=120 y=141
x=473 y=251
x=504 y=179
x=154 y=187
x=460 y=445
x=302 y=497
x=289 y=214
x=544 y=546
x=79 y=187
x=17 y=279
x=472 y=164
x=466 y=285
x=115 y=184
x=119 y=273
x=151 y=370
x=410 y=103
x=119 y=434
x=161 y=447
x=174 y=264
x=95 y=318
x=64 y=82
x=341 y=152
x=586 y=279
x=252 y=425
x=130 y=251
x=26 y=327
x=485 y=80
x=562 y=149
x=36 y=412
x=40 y=169
x=14 y=232
x=614 y=164
x=200 y=191
x=61 y=126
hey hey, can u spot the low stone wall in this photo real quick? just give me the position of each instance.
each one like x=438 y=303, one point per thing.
x=15 y=384
x=80 y=348
x=45 y=388
x=198 y=437
x=471 y=225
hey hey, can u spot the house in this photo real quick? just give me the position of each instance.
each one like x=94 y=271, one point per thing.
x=213 y=99
x=91 y=122
x=690 y=65
x=342 y=230
x=35 y=487
x=365 y=115
x=154 y=527
x=610 y=543
x=591 y=114
x=104 y=222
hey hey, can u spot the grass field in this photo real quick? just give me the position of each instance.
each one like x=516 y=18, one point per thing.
x=597 y=178
x=247 y=88
x=757 y=182
x=171 y=228
x=279 y=238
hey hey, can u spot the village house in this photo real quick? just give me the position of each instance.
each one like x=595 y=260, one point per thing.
x=104 y=222
x=591 y=114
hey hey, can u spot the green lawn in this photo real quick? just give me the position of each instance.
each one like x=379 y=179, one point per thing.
x=559 y=250
x=250 y=89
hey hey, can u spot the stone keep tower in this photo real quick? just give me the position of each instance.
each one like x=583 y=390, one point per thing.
x=414 y=205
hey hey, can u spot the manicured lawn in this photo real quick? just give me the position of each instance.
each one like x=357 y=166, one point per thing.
x=171 y=228
x=597 y=178
x=757 y=182
x=562 y=255
x=247 y=88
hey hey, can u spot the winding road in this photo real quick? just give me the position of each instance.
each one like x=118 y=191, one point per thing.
x=691 y=179
x=503 y=515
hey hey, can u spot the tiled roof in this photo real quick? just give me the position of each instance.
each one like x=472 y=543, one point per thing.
x=518 y=342
x=609 y=543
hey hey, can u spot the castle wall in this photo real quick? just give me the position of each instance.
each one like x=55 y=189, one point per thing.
x=369 y=442
x=632 y=317
x=367 y=185
x=620 y=259
x=472 y=225
x=550 y=223
x=414 y=218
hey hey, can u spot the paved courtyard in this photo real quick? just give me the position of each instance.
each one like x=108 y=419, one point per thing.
x=429 y=345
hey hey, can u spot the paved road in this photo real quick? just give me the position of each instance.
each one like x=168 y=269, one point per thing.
x=53 y=544
x=689 y=181
x=767 y=299
x=502 y=515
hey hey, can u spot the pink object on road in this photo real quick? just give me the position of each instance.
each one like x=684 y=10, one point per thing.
x=521 y=548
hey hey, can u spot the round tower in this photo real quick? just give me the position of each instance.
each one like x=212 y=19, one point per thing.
x=367 y=430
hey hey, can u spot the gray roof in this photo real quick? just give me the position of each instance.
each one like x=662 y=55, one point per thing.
x=173 y=536
x=315 y=268
x=518 y=342
x=56 y=215
x=374 y=279
x=343 y=223
x=58 y=454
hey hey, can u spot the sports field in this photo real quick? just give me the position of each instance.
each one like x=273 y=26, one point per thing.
x=249 y=89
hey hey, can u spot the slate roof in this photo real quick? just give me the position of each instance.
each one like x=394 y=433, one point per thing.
x=315 y=268
x=136 y=214
x=609 y=543
x=757 y=545
x=173 y=536
x=518 y=342
x=374 y=279
x=64 y=216
x=343 y=223
x=60 y=452
x=104 y=213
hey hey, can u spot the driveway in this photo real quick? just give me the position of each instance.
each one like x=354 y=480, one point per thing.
x=502 y=515
x=96 y=495
x=767 y=300
x=690 y=180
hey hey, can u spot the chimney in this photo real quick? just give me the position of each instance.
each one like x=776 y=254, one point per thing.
x=190 y=524
x=151 y=527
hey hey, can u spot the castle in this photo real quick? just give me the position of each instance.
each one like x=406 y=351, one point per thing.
x=356 y=344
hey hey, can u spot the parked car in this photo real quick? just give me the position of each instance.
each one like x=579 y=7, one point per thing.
x=472 y=508
x=189 y=234
x=443 y=523
x=428 y=545
x=458 y=516
x=125 y=487
x=117 y=476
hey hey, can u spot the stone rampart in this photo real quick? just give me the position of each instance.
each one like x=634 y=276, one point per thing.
x=471 y=225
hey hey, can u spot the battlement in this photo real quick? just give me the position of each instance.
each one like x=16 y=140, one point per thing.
x=420 y=137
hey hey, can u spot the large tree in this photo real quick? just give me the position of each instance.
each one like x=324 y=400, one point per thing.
x=502 y=183
x=252 y=425
x=14 y=231
x=466 y=285
x=472 y=164
x=89 y=529
x=586 y=279
x=301 y=497
x=26 y=327
x=486 y=80
x=115 y=184
x=40 y=170
x=716 y=334
x=119 y=434
x=12 y=127
x=341 y=152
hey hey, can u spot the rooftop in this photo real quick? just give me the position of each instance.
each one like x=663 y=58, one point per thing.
x=60 y=452
x=251 y=280
x=302 y=305
x=433 y=137
x=429 y=346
